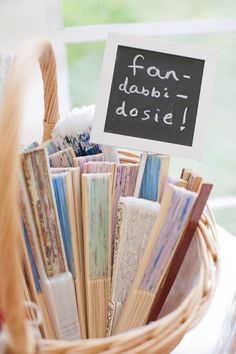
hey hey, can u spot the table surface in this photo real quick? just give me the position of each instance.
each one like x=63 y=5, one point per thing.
x=204 y=337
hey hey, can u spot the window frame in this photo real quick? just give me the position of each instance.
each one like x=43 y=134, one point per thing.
x=61 y=36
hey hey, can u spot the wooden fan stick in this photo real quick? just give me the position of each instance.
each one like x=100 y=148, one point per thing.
x=180 y=252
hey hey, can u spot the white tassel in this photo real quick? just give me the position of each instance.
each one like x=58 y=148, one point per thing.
x=76 y=122
x=79 y=121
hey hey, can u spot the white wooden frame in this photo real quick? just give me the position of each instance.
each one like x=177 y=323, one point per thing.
x=88 y=33
x=98 y=134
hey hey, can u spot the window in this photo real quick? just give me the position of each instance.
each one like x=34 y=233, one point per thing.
x=90 y=12
x=204 y=23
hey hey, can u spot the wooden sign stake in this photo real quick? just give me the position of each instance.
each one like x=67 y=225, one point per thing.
x=110 y=153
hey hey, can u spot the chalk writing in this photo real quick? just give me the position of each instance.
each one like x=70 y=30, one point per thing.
x=154 y=95
x=152 y=92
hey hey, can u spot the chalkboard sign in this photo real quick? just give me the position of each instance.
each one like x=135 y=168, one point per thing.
x=154 y=96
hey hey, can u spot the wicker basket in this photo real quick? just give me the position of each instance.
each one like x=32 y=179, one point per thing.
x=187 y=301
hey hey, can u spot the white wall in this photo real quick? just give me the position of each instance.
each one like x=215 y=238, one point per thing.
x=24 y=20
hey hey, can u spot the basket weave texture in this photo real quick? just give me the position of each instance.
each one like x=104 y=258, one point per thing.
x=190 y=295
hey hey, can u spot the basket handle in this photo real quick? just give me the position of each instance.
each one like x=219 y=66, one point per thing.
x=11 y=293
x=47 y=63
